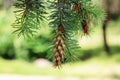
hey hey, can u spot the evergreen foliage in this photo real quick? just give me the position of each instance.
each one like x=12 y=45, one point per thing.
x=67 y=18
x=28 y=16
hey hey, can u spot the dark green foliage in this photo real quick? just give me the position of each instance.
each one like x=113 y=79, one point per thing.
x=7 y=50
x=33 y=49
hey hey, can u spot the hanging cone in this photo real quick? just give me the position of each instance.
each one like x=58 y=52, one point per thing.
x=77 y=6
x=59 y=45
x=85 y=26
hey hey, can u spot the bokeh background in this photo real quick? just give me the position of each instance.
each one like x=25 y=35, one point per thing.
x=28 y=59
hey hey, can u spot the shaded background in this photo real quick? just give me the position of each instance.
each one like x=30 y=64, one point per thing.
x=28 y=59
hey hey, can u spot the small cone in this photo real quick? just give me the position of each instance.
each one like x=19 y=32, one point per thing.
x=85 y=26
x=77 y=6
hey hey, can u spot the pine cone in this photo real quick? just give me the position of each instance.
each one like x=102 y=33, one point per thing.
x=59 y=45
x=85 y=26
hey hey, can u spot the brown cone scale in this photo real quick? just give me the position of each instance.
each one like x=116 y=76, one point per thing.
x=85 y=26
x=59 y=45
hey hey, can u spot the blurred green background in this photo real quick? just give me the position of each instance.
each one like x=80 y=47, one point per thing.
x=30 y=56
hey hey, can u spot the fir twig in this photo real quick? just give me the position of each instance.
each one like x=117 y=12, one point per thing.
x=29 y=16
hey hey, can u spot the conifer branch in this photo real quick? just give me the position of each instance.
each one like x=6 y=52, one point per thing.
x=28 y=16
x=59 y=40
x=66 y=19
x=63 y=32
